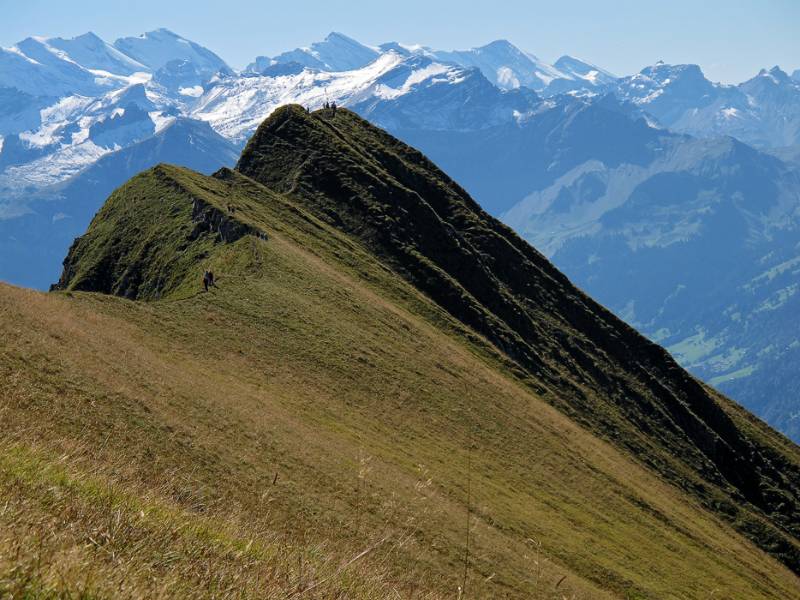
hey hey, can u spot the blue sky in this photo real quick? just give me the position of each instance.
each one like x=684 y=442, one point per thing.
x=731 y=40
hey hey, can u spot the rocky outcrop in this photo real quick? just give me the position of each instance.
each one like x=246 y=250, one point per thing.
x=210 y=220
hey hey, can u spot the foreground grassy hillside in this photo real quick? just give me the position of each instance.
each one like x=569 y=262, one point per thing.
x=319 y=427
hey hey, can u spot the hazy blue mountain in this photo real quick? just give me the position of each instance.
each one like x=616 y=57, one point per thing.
x=260 y=63
x=669 y=91
x=122 y=129
x=19 y=111
x=16 y=151
x=180 y=77
x=32 y=244
x=697 y=248
x=502 y=164
x=777 y=103
x=763 y=111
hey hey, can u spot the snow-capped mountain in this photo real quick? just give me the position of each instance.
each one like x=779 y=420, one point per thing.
x=421 y=93
x=236 y=106
x=73 y=101
x=74 y=133
x=504 y=64
x=37 y=68
x=394 y=90
x=336 y=52
x=580 y=76
x=581 y=69
x=763 y=111
x=90 y=52
x=508 y=67
x=156 y=48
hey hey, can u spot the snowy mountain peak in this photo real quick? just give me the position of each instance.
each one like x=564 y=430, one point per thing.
x=91 y=52
x=405 y=49
x=499 y=46
x=90 y=38
x=337 y=52
x=796 y=75
x=38 y=49
x=39 y=67
x=156 y=48
x=665 y=73
x=335 y=37
x=776 y=74
x=504 y=65
x=159 y=33
x=501 y=62
x=582 y=69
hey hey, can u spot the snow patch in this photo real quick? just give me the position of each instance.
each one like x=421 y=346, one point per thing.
x=506 y=78
x=193 y=92
x=18 y=52
x=730 y=113
x=160 y=120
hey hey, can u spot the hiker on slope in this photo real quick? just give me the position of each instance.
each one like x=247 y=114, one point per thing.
x=208 y=280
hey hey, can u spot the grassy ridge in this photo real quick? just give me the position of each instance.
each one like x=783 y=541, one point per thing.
x=316 y=409
x=572 y=351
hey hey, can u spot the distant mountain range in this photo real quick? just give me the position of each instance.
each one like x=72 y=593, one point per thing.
x=763 y=111
x=672 y=199
x=505 y=65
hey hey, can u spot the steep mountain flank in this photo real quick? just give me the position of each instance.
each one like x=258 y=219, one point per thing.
x=388 y=394
x=143 y=249
x=593 y=367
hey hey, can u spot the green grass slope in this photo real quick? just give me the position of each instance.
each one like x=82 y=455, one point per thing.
x=323 y=425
